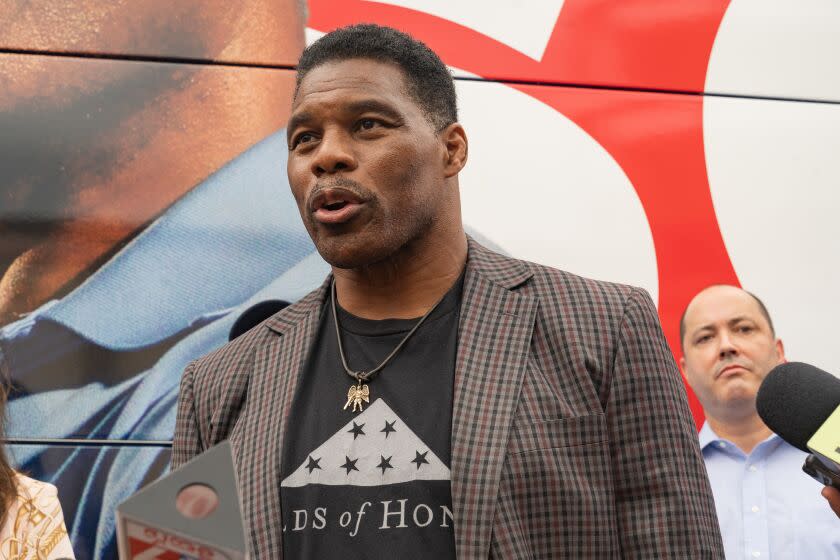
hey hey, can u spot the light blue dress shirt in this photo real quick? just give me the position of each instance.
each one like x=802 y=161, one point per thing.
x=170 y=296
x=767 y=507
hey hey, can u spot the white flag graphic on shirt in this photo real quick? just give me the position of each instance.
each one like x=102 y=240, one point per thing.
x=374 y=449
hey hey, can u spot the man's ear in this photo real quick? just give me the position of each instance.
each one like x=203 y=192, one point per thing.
x=780 y=351
x=455 y=141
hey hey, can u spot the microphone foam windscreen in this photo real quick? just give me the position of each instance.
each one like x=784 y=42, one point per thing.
x=795 y=399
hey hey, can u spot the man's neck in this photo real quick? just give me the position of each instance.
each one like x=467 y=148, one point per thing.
x=405 y=286
x=745 y=432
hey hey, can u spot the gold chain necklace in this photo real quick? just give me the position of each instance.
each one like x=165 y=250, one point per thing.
x=360 y=392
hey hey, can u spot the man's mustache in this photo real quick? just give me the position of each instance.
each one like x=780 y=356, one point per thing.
x=344 y=183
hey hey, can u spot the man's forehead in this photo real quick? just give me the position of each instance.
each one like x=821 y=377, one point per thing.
x=344 y=78
x=721 y=304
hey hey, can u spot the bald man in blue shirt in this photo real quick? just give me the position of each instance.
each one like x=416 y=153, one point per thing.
x=767 y=507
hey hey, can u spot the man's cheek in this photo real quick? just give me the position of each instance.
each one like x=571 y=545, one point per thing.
x=298 y=192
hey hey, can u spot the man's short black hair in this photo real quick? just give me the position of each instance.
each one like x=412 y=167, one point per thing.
x=761 y=307
x=428 y=79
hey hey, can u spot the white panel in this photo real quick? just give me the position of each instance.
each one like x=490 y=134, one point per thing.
x=544 y=190
x=778 y=48
x=775 y=181
x=312 y=35
x=524 y=26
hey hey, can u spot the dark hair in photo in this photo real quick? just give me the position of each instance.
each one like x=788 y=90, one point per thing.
x=429 y=80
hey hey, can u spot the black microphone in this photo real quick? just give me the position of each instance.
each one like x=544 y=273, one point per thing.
x=795 y=399
x=255 y=315
x=801 y=403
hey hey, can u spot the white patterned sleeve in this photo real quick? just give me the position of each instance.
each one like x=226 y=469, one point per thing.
x=34 y=526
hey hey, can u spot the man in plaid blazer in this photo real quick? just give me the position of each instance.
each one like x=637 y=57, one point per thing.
x=570 y=432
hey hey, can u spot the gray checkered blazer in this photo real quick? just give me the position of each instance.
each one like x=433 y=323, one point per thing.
x=571 y=434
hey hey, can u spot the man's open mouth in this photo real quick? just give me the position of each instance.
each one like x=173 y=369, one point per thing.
x=338 y=205
x=335 y=206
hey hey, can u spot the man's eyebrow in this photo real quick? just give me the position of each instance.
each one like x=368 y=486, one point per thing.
x=711 y=327
x=373 y=106
x=297 y=120
x=740 y=318
x=352 y=108
x=701 y=328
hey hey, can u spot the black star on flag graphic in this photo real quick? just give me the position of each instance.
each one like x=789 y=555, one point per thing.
x=313 y=464
x=357 y=430
x=349 y=464
x=373 y=457
x=385 y=464
x=389 y=428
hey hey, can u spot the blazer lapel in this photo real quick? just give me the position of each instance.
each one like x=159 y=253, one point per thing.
x=277 y=367
x=493 y=346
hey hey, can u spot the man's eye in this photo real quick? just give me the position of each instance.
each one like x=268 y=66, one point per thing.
x=704 y=338
x=302 y=139
x=367 y=124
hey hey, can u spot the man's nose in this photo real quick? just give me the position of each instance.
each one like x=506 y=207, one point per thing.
x=727 y=345
x=334 y=154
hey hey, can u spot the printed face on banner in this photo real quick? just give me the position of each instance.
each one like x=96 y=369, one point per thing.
x=102 y=148
x=119 y=158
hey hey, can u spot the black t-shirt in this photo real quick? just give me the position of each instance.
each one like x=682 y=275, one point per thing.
x=376 y=483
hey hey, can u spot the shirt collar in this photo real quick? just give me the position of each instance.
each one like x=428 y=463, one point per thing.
x=216 y=247
x=707 y=436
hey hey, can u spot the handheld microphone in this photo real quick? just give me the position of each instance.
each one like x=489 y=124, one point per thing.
x=193 y=512
x=801 y=403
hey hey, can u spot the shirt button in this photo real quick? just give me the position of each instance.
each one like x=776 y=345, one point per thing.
x=754 y=509
x=722 y=444
x=753 y=468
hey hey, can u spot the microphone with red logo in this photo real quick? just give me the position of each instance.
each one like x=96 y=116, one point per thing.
x=193 y=513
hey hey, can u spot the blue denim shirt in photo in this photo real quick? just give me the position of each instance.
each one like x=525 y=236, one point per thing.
x=105 y=362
